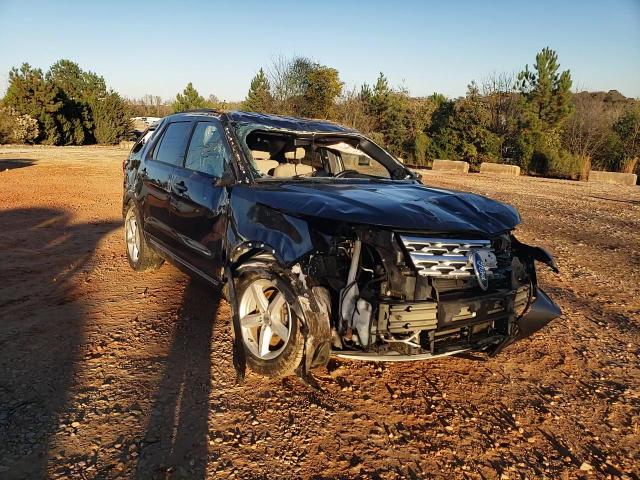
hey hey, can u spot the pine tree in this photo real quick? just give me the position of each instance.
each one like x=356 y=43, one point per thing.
x=322 y=86
x=259 y=97
x=546 y=104
x=190 y=99
x=79 y=90
x=111 y=117
x=547 y=92
x=391 y=113
x=378 y=98
x=68 y=77
x=29 y=93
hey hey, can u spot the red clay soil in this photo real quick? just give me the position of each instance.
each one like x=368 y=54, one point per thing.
x=107 y=373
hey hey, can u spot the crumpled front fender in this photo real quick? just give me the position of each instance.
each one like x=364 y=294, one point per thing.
x=285 y=236
x=538 y=254
x=543 y=309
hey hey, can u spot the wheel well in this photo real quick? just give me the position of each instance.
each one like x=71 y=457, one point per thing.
x=125 y=205
x=251 y=257
x=313 y=308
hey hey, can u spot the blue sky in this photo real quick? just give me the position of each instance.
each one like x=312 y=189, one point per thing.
x=157 y=47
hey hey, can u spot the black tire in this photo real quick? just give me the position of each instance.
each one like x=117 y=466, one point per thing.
x=147 y=258
x=288 y=360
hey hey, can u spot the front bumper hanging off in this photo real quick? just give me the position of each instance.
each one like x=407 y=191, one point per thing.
x=541 y=312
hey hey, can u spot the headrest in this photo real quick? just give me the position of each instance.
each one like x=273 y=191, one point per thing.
x=266 y=165
x=291 y=169
x=297 y=154
x=260 y=155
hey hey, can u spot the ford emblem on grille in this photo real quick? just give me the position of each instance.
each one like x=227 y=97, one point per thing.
x=480 y=270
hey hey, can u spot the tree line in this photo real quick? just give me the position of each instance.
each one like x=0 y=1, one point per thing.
x=64 y=106
x=531 y=119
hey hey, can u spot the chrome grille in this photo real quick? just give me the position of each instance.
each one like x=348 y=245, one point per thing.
x=445 y=257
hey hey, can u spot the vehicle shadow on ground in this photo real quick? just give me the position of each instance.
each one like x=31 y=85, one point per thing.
x=11 y=163
x=176 y=438
x=42 y=319
x=595 y=310
x=630 y=202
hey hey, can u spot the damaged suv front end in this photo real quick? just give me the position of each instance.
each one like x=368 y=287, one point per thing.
x=401 y=294
x=405 y=272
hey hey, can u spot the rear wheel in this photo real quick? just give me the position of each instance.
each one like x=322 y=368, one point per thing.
x=139 y=254
x=269 y=326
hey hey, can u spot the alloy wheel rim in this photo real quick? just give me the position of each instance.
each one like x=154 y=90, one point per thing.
x=265 y=319
x=132 y=237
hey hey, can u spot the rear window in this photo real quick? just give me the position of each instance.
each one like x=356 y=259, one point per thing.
x=173 y=143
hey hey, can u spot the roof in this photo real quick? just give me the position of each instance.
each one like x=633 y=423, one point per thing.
x=287 y=123
x=273 y=121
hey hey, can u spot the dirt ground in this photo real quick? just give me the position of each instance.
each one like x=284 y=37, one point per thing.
x=107 y=373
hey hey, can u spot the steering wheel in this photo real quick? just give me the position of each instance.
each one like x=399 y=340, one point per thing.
x=346 y=172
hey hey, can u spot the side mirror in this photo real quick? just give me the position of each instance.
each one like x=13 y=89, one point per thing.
x=415 y=175
x=227 y=179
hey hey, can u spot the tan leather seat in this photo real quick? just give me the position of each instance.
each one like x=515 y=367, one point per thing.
x=295 y=167
x=263 y=161
x=291 y=170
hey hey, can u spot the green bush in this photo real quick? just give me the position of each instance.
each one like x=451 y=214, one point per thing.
x=559 y=164
x=16 y=128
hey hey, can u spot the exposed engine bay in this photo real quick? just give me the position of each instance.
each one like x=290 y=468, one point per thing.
x=401 y=296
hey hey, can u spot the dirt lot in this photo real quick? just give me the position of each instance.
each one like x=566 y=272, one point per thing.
x=106 y=373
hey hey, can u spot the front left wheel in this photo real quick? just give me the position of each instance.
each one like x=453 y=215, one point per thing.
x=269 y=326
x=140 y=255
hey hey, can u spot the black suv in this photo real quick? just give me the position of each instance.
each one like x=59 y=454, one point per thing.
x=326 y=244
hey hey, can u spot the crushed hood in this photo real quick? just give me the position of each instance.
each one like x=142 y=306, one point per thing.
x=404 y=206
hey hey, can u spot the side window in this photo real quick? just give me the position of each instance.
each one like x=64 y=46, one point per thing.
x=173 y=143
x=207 y=153
x=136 y=151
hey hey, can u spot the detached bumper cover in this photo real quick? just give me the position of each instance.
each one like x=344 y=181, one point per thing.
x=541 y=312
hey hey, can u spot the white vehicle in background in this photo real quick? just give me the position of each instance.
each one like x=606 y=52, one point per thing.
x=141 y=124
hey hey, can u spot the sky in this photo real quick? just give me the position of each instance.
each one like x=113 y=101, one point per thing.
x=158 y=47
